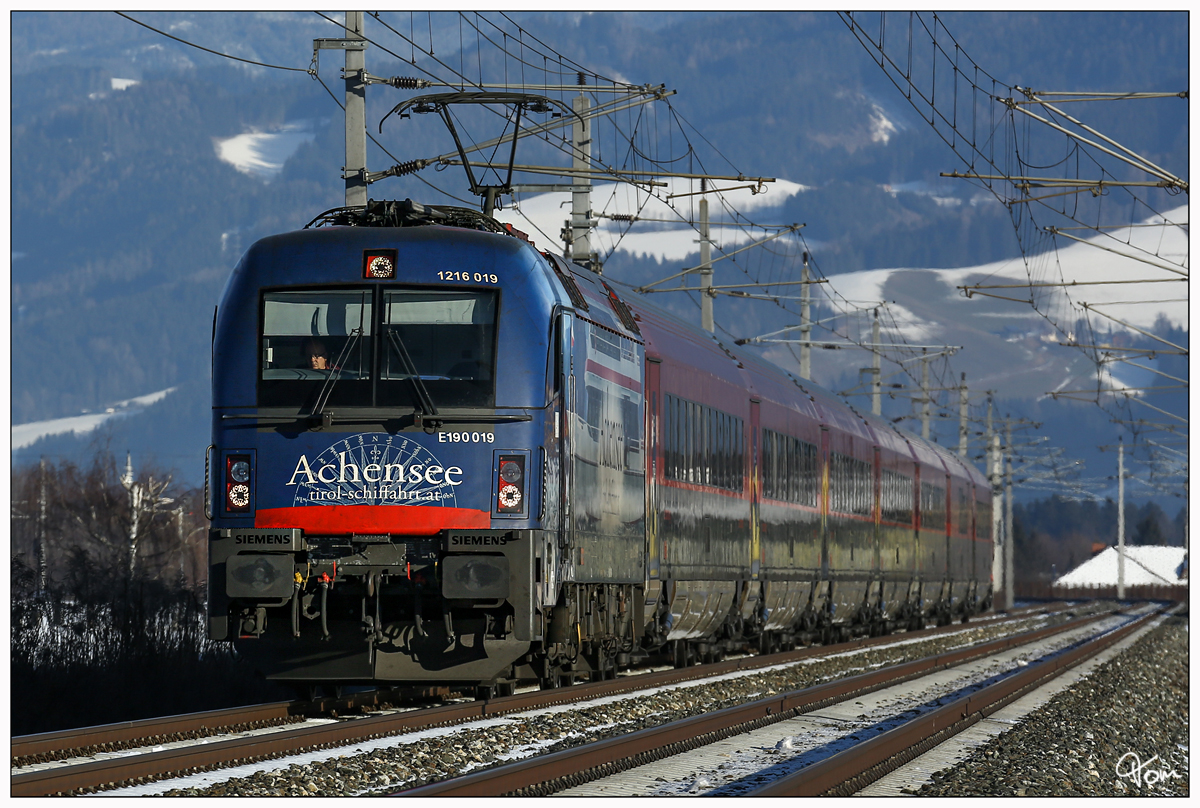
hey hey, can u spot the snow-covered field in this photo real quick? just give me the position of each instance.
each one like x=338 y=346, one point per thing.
x=1111 y=257
x=262 y=154
x=26 y=434
x=542 y=216
x=1077 y=263
x=1144 y=566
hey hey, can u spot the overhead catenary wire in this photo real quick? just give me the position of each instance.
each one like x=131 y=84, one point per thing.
x=646 y=140
x=1005 y=144
x=309 y=70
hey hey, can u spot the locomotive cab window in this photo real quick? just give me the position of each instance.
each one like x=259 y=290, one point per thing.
x=363 y=348
x=447 y=338
x=311 y=339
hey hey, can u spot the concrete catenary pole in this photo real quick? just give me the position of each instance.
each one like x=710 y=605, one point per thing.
x=581 y=194
x=924 y=396
x=1010 y=544
x=805 y=322
x=706 y=271
x=1121 y=517
x=962 y=417
x=876 y=354
x=355 y=171
x=993 y=440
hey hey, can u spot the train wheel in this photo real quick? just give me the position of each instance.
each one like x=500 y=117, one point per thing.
x=307 y=692
x=552 y=681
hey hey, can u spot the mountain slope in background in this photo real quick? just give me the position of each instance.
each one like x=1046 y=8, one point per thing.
x=143 y=169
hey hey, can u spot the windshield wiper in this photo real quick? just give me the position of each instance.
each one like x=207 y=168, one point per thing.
x=424 y=400
x=327 y=388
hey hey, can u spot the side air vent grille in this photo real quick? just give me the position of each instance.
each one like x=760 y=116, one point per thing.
x=622 y=310
x=564 y=275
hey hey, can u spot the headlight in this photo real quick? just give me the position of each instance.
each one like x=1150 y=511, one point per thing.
x=510 y=488
x=237 y=483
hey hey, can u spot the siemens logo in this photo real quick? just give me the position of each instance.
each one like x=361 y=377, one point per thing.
x=480 y=540
x=277 y=538
x=258 y=537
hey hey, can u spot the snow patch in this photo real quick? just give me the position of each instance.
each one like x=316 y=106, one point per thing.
x=673 y=239
x=1074 y=262
x=882 y=129
x=262 y=154
x=1144 y=566
x=122 y=84
x=27 y=434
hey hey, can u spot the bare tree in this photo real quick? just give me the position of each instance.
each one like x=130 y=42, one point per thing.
x=144 y=498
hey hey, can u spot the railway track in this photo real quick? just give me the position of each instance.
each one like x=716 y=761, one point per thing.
x=72 y=761
x=843 y=772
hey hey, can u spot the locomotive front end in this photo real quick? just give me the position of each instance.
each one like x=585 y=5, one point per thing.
x=380 y=412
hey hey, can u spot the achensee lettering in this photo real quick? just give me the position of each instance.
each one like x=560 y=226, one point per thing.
x=344 y=472
x=468 y=540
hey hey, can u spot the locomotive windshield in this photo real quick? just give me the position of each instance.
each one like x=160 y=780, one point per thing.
x=450 y=341
x=310 y=337
x=324 y=343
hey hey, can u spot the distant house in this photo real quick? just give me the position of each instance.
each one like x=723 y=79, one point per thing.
x=1144 y=566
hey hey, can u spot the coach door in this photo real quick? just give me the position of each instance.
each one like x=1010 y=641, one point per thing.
x=755 y=484
x=824 y=503
x=564 y=333
x=652 y=461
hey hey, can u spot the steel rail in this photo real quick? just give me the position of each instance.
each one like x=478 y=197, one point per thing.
x=151 y=766
x=547 y=774
x=59 y=744
x=48 y=746
x=853 y=769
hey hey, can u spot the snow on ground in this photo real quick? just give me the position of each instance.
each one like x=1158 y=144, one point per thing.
x=205 y=779
x=26 y=434
x=542 y=217
x=1102 y=258
x=1074 y=263
x=1144 y=566
x=262 y=154
x=928 y=306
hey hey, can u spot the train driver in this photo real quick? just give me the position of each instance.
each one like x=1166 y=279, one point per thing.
x=318 y=355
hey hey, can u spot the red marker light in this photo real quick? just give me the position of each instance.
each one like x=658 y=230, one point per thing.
x=237 y=483
x=510 y=488
x=379 y=265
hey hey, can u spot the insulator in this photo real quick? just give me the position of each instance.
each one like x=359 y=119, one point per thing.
x=407 y=83
x=622 y=217
x=411 y=167
x=581 y=78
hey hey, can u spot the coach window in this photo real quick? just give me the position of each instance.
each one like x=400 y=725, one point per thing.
x=447 y=338
x=933 y=507
x=312 y=341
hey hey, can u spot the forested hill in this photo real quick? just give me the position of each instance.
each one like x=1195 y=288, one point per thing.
x=126 y=220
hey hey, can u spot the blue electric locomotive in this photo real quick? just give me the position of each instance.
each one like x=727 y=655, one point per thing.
x=440 y=456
